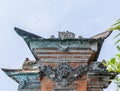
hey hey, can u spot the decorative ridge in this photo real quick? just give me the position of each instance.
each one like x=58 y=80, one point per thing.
x=25 y=34
x=103 y=35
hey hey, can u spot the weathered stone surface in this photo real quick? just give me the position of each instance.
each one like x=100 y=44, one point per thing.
x=98 y=68
x=30 y=64
x=28 y=80
x=64 y=74
x=66 y=35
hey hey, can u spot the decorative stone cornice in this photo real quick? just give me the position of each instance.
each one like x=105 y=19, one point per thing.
x=27 y=79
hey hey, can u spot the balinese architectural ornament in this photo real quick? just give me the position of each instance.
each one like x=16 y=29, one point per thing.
x=30 y=65
x=65 y=63
x=97 y=68
x=64 y=74
x=66 y=35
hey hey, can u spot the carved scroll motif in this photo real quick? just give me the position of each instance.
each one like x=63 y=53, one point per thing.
x=64 y=74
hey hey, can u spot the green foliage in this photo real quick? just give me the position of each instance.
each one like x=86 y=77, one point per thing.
x=115 y=26
x=117 y=41
x=118 y=47
x=117 y=81
x=113 y=65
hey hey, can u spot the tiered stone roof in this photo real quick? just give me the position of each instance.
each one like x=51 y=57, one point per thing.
x=63 y=60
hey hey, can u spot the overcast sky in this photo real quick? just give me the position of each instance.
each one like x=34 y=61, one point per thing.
x=46 y=17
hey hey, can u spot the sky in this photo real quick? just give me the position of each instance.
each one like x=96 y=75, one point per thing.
x=46 y=17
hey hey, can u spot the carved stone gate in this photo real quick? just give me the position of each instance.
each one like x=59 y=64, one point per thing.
x=65 y=63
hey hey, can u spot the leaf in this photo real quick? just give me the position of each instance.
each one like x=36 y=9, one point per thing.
x=105 y=64
x=117 y=27
x=118 y=64
x=118 y=55
x=111 y=29
x=118 y=70
x=114 y=28
x=118 y=22
x=113 y=61
x=117 y=41
x=114 y=68
x=118 y=47
x=116 y=78
x=116 y=36
x=109 y=68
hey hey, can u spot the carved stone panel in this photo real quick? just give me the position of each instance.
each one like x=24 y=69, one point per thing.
x=66 y=35
x=64 y=74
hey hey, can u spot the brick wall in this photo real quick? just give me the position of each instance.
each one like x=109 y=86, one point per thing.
x=53 y=54
x=49 y=85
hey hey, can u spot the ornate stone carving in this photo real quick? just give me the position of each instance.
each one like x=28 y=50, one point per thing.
x=64 y=74
x=98 y=68
x=30 y=65
x=66 y=35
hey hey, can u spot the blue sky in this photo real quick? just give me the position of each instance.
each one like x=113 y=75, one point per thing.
x=47 y=17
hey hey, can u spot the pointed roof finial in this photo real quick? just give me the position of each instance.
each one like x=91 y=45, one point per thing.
x=25 y=34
